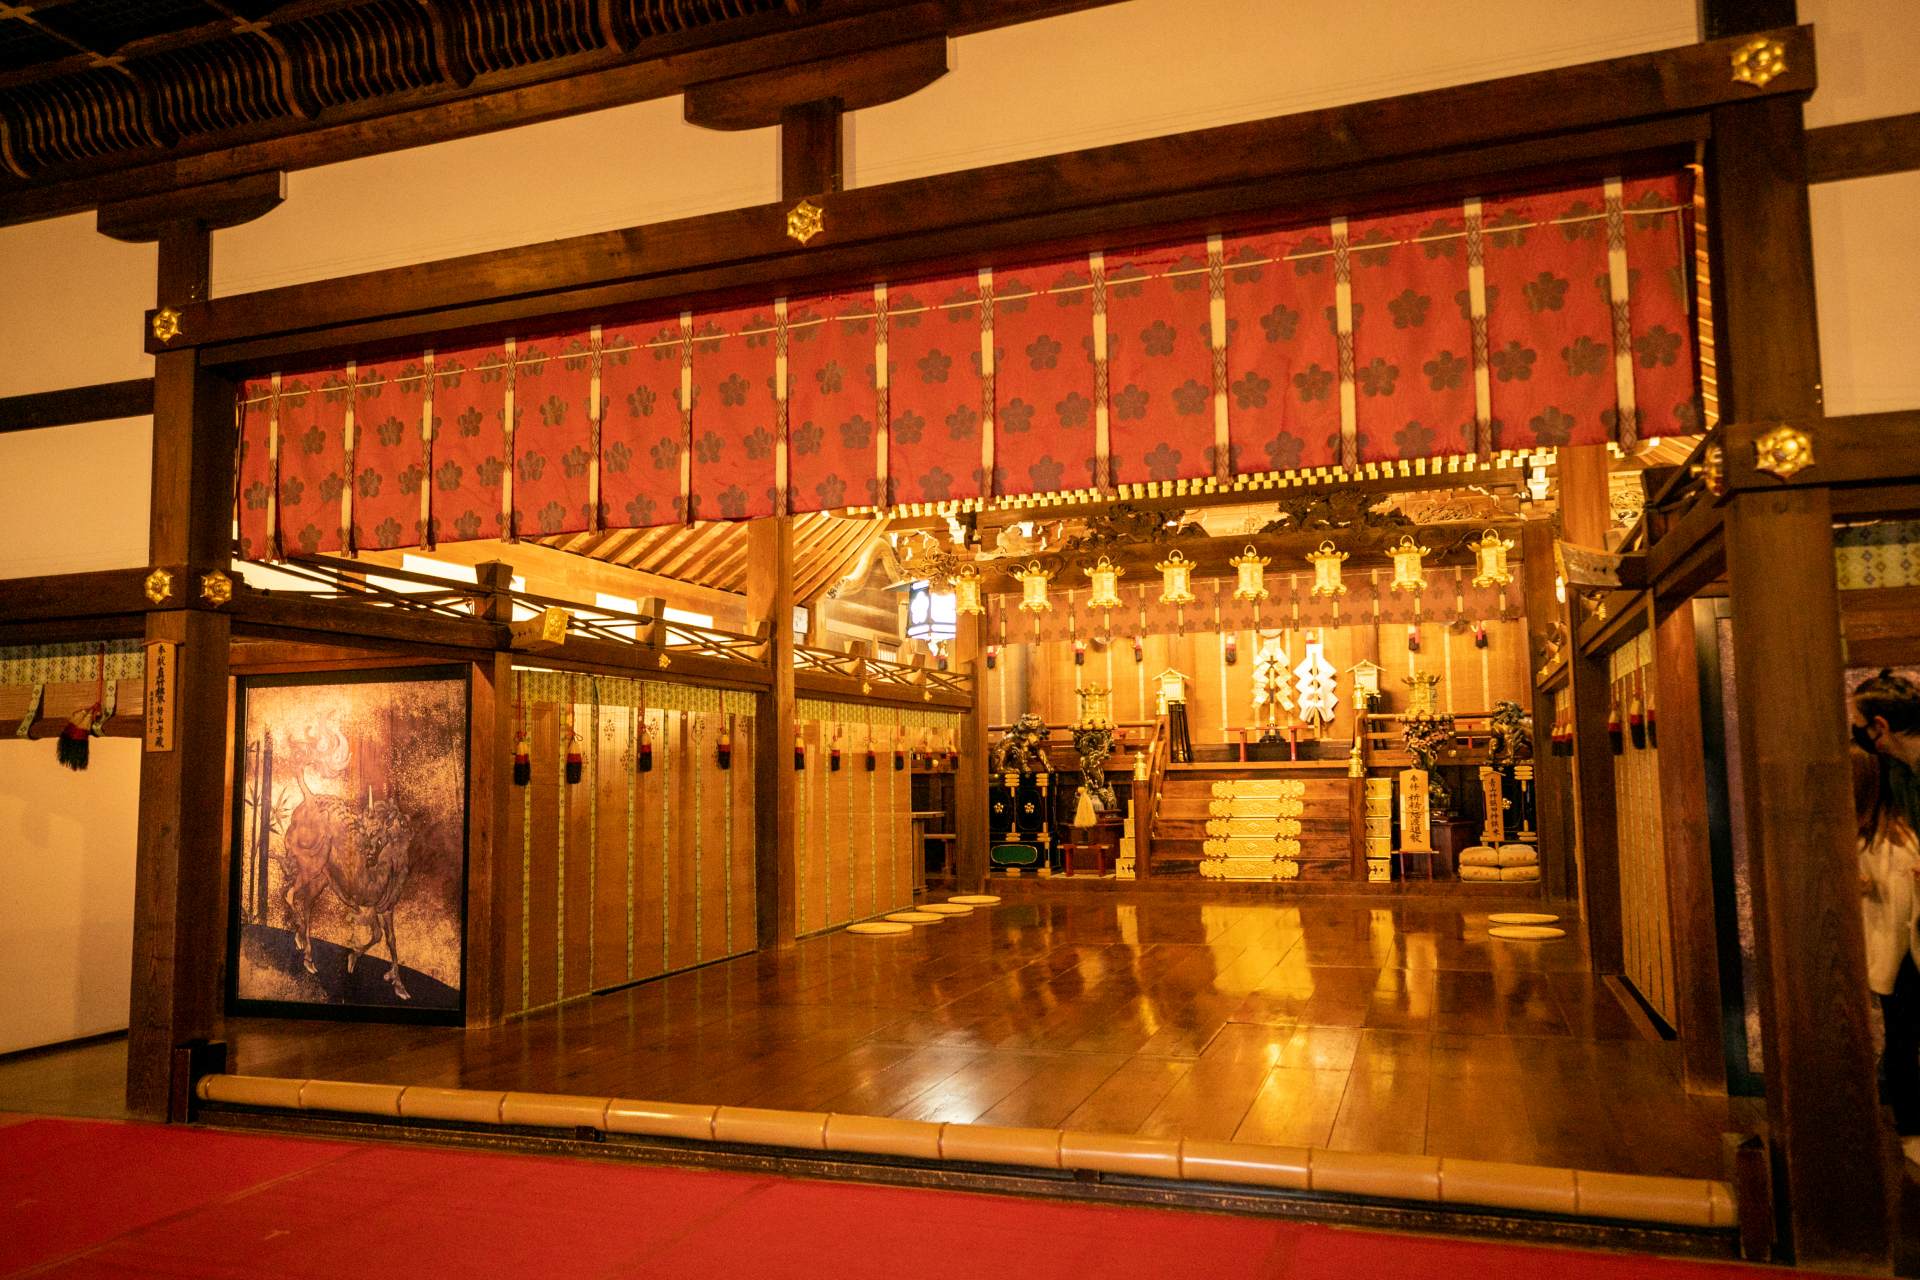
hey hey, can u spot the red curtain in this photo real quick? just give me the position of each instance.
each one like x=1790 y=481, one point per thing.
x=1515 y=323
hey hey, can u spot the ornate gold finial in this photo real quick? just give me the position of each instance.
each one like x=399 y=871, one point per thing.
x=216 y=588
x=166 y=324
x=665 y=661
x=1758 y=61
x=866 y=687
x=1783 y=451
x=927 y=695
x=159 y=586
x=805 y=221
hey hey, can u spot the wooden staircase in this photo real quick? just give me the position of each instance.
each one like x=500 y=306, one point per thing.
x=1322 y=808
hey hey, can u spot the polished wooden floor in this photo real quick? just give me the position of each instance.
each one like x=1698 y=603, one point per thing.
x=1357 y=1024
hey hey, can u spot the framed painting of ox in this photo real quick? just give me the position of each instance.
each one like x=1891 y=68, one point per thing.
x=350 y=845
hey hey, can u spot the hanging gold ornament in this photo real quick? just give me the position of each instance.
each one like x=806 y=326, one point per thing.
x=966 y=591
x=1251 y=566
x=1408 y=573
x=1176 y=579
x=1326 y=564
x=1033 y=588
x=1492 y=552
x=1105 y=576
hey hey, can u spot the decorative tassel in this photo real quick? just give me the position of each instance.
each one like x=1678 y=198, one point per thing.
x=1653 y=735
x=1479 y=635
x=1413 y=638
x=1616 y=737
x=953 y=760
x=799 y=752
x=1079 y=653
x=74 y=746
x=643 y=756
x=993 y=656
x=833 y=757
x=576 y=763
x=873 y=761
x=1139 y=650
x=1637 y=717
x=1083 y=815
x=724 y=752
x=899 y=760
x=1233 y=649
x=522 y=761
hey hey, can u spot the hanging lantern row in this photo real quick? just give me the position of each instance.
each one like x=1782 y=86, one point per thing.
x=1176 y=575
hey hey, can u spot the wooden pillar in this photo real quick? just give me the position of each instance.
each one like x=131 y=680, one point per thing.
x=770 y=602
x=970 y=784
x=1689 y=854
x=1552 y=777
x=1824 y=1121
x=1585 y=513
x=180 y=880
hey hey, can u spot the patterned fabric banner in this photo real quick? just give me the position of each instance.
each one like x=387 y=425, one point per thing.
x=538 y=684
x=1493 y=326
x=71 y=663
x=829 y=712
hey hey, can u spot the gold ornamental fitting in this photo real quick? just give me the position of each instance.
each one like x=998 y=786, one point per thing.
x=166 y=324
x=159 y=586
x=1783 y=451
x=805 y=221
x=216 y=588
x=1758 y=61
x=1712 y=470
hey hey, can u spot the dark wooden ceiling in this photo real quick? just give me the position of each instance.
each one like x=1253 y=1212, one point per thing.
x=105 y=99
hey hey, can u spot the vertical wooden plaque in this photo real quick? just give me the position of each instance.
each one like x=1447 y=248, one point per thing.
x=163 y=670
x=1415 y=817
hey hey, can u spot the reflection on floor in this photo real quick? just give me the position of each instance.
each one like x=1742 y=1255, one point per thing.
x=88 y=1079
x=1341 y=1023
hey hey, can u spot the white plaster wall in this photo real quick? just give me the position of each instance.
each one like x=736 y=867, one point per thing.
x=71 y=303
x=74 y=499
x=1151 y=67
x=66 y=891
x=623 y=167
x=1865 y=232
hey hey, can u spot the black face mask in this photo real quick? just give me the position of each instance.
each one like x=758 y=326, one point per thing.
x=1863 y=738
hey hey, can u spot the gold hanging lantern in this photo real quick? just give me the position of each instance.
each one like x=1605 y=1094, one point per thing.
x=1326 y=564
x=1492 y=552
x=1105 y=576
x=1408 y=573
x=966 y=591
x=1033 y=588
x=1176 y=579
x=1251 y=566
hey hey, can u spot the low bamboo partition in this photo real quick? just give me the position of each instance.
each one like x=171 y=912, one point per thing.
x=1692 y=1203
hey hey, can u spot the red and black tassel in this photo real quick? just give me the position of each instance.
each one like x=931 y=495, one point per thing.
x=1139 y=650
x=993 y=656
x=723 y=753
x=1479 y=635
x=799 y=752
x=1079 y=653
x=1616 y=728
x=523 y=761
x=833 y=756
x=576 y=762
x=1233 y=649
x=899 y=760
x=873 y=761
x=75 y=742
x=1413 y=638
x=1637 y=717
x=643 y=754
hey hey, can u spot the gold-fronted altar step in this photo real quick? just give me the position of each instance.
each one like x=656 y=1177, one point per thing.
x=1265 y=821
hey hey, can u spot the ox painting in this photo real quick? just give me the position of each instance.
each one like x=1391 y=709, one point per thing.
x=350 y=844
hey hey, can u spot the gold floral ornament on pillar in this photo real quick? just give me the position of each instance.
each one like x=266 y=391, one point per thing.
x=216 y=588
x=1033 y=588
x=1758 y=61
x=159 y=586
x=1783 y=451
x=1409 y=569
x=805 y=221
x=966 y=591
x=1326 y=564
x=1491 y=556
x=166 y=324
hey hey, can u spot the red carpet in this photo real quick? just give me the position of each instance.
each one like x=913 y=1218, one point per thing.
x=94 y=1199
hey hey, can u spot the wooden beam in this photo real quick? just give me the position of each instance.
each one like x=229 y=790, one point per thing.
x=853 y=82
x=180 y=880
x=970 y=784
x=1330 y=159
x=770 y=601
x=1864 y=148
x=101 y=402
x=490 y=912
x=1876 y=449
x=512 y=96
x=1683 y=764
x=1824 y=1121
x=213 y=207
x=83 y=595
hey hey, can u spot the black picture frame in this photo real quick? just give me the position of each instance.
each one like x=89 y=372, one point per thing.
x=441 y=1013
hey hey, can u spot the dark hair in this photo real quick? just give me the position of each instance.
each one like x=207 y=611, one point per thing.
x=1893 y=698
x=1874 y=812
